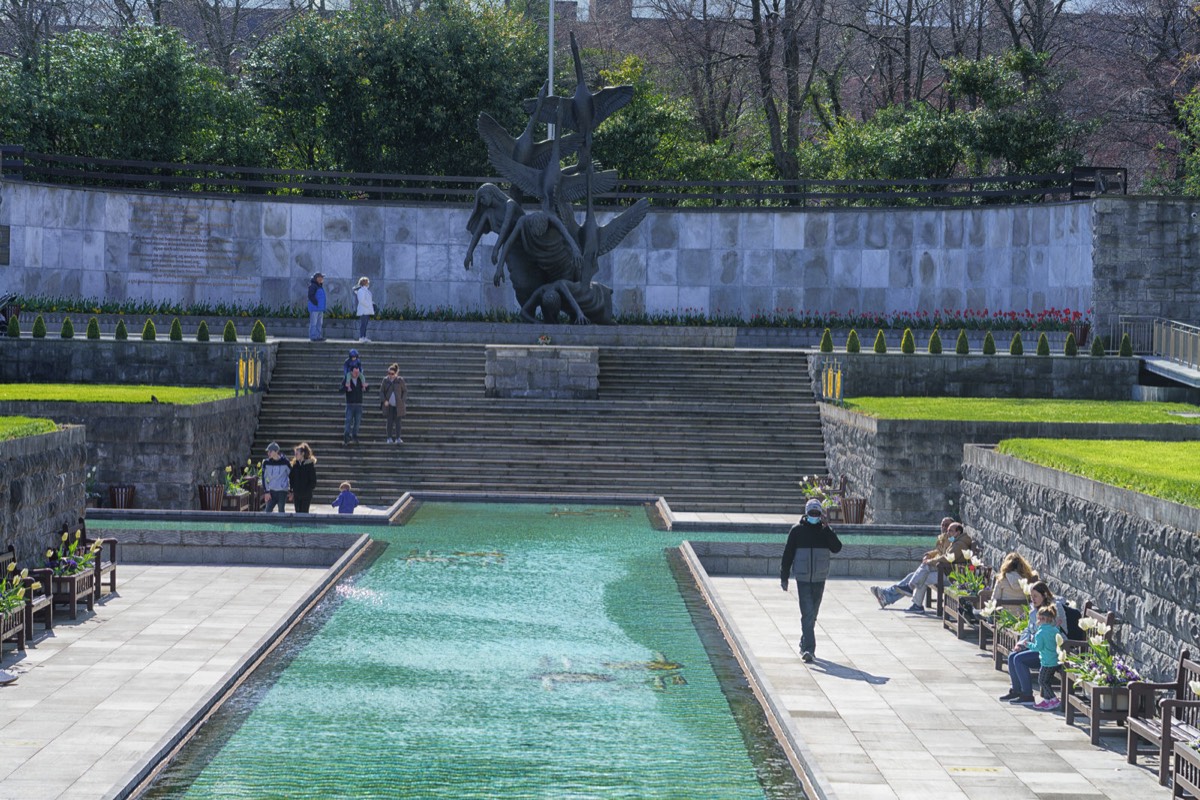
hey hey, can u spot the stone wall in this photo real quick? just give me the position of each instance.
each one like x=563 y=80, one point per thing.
x=121 y=245
x=41 y=489
x=163 y=450
x=159 y=363
x=1127 y=552
x=273 y=547
x=924 y=375
x=910 y=471
x=571 y=373
x=763 y=558
x=1144 y=257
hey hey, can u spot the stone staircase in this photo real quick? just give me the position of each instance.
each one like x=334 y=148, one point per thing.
x=709 y=429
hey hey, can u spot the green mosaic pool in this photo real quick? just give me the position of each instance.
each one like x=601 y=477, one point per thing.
x=510 y=651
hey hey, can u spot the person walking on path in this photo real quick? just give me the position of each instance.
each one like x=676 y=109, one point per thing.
x=353 y=386
x=346 y=500
x=316 y=308
x=810 y=543
x=366 y=306
x=953 y=539
x=276 y=478
x=1024 y=658
x=1045 y=644
x=392 y=394
x=304 y=477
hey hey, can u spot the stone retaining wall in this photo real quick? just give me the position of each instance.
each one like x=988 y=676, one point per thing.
x=41 y=489
x=163 y=450
x=762 y=559
x=1134 y=554
x=910 y=471
x=295 y=547
x=925 y=375
x=158 y=363
x=571 y=373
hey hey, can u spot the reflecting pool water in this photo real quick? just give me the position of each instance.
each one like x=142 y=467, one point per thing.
x=508 y=651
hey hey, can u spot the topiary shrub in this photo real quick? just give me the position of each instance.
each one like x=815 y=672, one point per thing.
x=149 y=333
x=1126 y=348
x=176 y=334
x=989 y=344
x=880 y=343
x=852 y=343
x=230 y=334
x=39 y=328
x=1043 y=345
x=935 y=343
x=93 y=328
x=962 y=347
x=826 y=340
x=908 y=345
x=259 y=334
x=68 y=329
x=1016 y=347
x=121 y=333
x=1097 y=347
x=202 y=332
x=1069 y=347
x=14 y=328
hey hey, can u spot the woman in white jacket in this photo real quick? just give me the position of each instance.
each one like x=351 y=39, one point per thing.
x=366 y=306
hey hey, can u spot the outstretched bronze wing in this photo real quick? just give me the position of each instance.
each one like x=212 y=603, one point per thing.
x=620 y=226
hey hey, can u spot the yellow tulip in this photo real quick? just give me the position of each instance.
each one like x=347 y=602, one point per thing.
x=78 y=534
x=24 y=573
x=35 y=585
x=21 y=593
x=64 y=538
x=49 y=554
x=12 y=567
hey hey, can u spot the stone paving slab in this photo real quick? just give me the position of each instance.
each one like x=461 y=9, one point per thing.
x=895 y=707
x=95 y=696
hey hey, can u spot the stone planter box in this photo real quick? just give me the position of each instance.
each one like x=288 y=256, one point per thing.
x=73 y=589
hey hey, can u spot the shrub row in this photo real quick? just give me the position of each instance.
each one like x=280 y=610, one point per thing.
x=962 y=347
x=149 y=334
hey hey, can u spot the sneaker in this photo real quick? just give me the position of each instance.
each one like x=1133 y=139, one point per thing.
x=806 y=657
x=1011 y=694
x=365 y=339
x=399 y=440
x=390 y=440
x=916 y=608
x=879 y=598
x=1047 y=705
x=345 y=441
x=1022 y=700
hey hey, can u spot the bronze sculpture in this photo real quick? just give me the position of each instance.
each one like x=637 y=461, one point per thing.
x=551 y=259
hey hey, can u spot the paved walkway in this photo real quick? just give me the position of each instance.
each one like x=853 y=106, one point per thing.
x=97 y=695
x=896 y=707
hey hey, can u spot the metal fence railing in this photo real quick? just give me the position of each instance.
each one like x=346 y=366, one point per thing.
x=1177 y=341
x=1140 y=330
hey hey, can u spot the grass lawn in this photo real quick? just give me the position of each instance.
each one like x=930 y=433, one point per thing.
x=986 y=409
x=76 y=393
x=18 y=427
x=1170 y=470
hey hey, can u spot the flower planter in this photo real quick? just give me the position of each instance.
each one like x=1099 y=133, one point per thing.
x=121 y=495
x=1112 y=698
x=1187 y=770
x=94 y=501
x=12 y=627
x=211 y=496
x=71 y=589
x=1099 y=704
x=236 y=502
x=952 y=610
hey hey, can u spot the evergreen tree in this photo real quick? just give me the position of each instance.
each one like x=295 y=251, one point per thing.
x=908 y=345
x=826 y=341
x=259 y=333
x=1070 y=348
x=1097 y=347
x=989 y=344
x=935 y=343
x=1126 y=350
x=852 y=343
x=14 y=328
x=230 y=334
x=1016 y=347
x=1043 y=345
x=962 y=347
x=121 y=334
x=68 y=329
x=39 y=328
x=176 y=334
x=93 y=328
x=880 y=343
x=149 y=332
x=202 y=332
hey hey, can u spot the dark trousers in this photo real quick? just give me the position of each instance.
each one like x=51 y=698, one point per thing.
x=392 y=416
x=810 y=595
x=1046 y=682
x=302 y=501
x=276 y=500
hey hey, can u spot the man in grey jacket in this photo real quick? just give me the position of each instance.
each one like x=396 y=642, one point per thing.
x=276 y=478
x=810 y=543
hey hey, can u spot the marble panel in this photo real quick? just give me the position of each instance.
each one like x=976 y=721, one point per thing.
x=662 y=298
x=788 y=230
x=660 y=268
x=306 y=221
x=757 y=230
x=337 y=223
x=400 y=225
x=368 y=224
x=433 y=263
x=875 y=270
x=434 y=228
x=663 y=231
x=726 y=230
x=695 y=230
x=727 y=268
x=367 y=260
x=116 y=213
x=788 y=268
x=336 y=259
x=629 y=268
x=276 y=220
x=276 y=258
x=693 y=298
x=816 y=230
x=900 y=268
x=757 y=267
x=847 y=268
x=694 y=268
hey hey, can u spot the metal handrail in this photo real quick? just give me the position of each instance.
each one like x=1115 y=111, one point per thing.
x=1177 y=341
x=1140 y=330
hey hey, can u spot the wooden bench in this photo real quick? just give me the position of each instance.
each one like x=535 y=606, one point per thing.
x=106 y=560
x=40 y=601
x=1080 y=700
x=987 y=625
x=1164 y=713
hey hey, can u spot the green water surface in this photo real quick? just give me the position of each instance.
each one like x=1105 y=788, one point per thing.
x=507 y=651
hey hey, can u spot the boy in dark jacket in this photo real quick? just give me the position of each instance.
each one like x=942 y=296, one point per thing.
x=806 y=558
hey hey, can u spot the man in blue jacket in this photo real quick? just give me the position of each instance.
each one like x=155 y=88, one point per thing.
x=316 y=308
x=810 y=543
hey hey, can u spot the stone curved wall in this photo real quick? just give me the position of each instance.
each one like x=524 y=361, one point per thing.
x=1134 y=554
x=41 y=489
x=117 y=245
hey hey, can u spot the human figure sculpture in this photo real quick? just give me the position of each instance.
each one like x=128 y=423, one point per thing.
x=551 y=259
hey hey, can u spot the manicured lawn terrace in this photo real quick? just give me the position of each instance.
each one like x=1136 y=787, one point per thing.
x=1025 y=410
x=1168 y=470
x=18 y=427
x=103 y=393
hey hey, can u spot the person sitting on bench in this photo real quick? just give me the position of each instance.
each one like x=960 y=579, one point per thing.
x=953 y=539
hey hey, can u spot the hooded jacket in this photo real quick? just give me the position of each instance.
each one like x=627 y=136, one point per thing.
x=806 y=555
x=316 y=296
